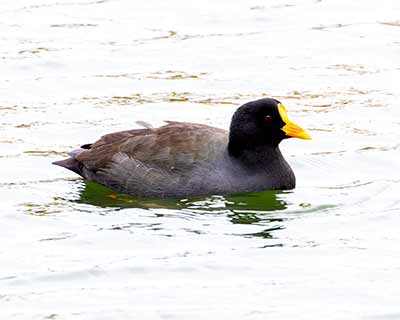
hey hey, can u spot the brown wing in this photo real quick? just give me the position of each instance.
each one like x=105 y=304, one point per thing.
x=175 y=146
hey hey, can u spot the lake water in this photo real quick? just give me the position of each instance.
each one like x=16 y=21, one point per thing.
x=71 y=71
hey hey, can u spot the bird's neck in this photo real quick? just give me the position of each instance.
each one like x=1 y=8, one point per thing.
x=258 y=157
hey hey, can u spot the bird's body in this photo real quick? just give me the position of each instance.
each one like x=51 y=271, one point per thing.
x=181 y=159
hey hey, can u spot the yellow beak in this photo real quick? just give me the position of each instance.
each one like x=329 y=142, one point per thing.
x=291 y=129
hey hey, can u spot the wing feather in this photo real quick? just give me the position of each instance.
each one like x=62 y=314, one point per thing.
x=153 y=157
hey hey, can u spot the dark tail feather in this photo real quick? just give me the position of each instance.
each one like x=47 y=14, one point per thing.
x=71 y=164
x=87 y=146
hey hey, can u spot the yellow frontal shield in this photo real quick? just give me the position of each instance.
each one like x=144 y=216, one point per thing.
x=291 y=129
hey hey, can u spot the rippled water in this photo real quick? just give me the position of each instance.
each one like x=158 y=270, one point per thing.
x=74 y=70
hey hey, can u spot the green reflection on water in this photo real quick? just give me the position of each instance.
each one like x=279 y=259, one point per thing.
x=255 y=208
x=244 y=206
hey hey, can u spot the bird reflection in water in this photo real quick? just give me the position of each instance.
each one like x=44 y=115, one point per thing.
x=95 y=194
x=244 y=208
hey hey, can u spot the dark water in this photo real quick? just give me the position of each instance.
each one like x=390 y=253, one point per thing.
x=74 y=70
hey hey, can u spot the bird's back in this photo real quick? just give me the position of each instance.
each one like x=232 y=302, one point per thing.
x=177 y=159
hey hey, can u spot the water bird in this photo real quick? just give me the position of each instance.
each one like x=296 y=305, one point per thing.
x=182 y=159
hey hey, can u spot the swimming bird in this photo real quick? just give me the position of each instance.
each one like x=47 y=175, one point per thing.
x=183 y=159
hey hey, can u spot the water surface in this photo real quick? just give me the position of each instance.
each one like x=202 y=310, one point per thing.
x=72 y=71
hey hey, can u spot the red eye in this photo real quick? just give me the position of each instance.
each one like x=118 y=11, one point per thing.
x=268 y=119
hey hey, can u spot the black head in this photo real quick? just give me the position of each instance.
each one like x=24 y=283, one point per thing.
x=261 y=123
